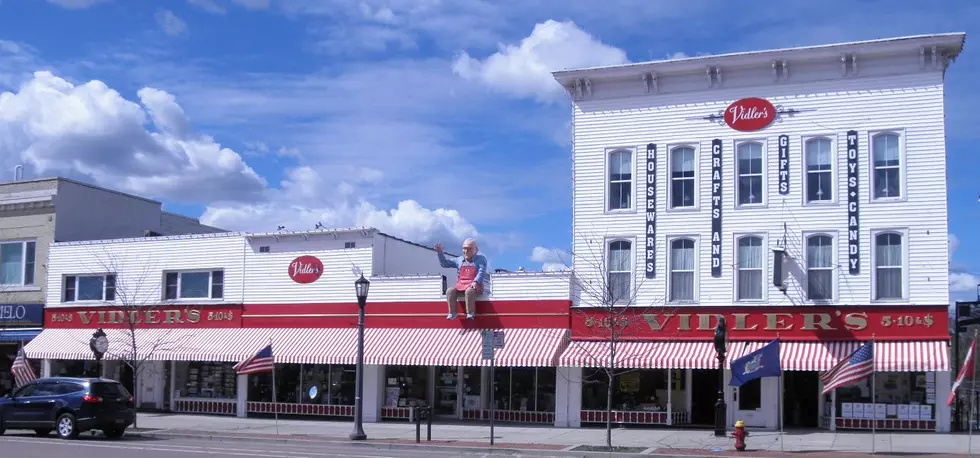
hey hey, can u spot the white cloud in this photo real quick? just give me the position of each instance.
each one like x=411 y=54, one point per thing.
x=252 y=5
x=208 y=5
x=76 y=4
x=170 y=23
x=551 y=259
x=961 y=282
x=525 y=70
x=954 y=244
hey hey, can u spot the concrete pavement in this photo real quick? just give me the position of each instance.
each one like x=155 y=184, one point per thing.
x=567 y=439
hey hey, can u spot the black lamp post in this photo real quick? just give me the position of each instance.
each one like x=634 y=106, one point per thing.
x=721 y=337
x=99 y=344
x=361 y=286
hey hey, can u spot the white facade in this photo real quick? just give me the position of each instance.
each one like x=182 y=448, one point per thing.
x=887 y=88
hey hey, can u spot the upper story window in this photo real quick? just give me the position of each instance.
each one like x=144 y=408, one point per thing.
x=889 y=266
x=750 y=262
x=749 y=158
x=263 y=249
x=819 y=171
x=17 y=263
x=682 y=177
x=620 y=271
x=820 y=267
x=887 y=178
x=682 y=265
x=350 y=245
x=89 y=288
x=209 y=284
x=620 y=180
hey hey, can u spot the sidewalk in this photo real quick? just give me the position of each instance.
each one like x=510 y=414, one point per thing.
x=660 y=441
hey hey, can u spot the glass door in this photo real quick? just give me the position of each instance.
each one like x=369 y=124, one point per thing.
x=446 y=400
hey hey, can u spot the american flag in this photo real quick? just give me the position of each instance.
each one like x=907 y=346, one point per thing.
x=855 y=367
x=257 y=363
x=22 y=370
x=965 y=371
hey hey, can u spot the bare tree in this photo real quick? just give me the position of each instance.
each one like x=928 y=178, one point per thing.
x=608 y=292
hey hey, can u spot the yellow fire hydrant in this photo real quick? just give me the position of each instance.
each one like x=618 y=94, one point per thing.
x=740 y=435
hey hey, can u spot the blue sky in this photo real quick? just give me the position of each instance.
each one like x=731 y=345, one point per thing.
x=430 y=119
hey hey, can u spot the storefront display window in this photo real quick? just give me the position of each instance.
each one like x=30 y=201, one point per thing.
x=7 y=355
x=305 y=384
x=898 y=395
x=206 y=380
x=524 y=389
x=406 y=386
x=471 y=388
x=72 y=368
x=640 y=390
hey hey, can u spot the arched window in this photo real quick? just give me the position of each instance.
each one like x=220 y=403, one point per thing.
x=820 y=267
x=887 y=166
x=750 y=261
x=682 y=169
x=682 y=265
x=621 y=180
x=620 y=272
x=749 y=173
x=819 y=171
x=888 y=266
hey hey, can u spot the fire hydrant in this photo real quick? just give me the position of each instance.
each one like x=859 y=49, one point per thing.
x=740 y=434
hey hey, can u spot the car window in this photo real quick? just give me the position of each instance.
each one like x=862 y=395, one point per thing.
x=26 y=391
x=109 y=390
x=69 y=388
x=46 y=389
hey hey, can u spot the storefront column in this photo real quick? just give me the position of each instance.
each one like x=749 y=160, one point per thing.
x=833 y=409
x=374 y=387
x=943 y=414
x=568 y=397
x=242 y=396
x=46 y=368
x=173 y=382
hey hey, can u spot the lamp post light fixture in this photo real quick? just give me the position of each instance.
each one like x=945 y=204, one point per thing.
x=99 y=344
x=721 y=340
x=361 y=286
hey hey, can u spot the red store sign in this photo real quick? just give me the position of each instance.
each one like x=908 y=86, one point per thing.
x=749 y=115
x=305 y=269
x=219 y=316
x=764 y=323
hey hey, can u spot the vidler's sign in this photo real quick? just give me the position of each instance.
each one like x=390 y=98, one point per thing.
x=749 y=115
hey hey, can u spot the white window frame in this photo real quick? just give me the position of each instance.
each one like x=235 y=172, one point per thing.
x=210 y=272
x=697 y=267
x=835 y=175
x=765 y=266
x=23 y=267
x=77 y=277
x=697 y=177
x=904 y=233
x=834 y=266
x=902 y=166
x=607 y=182
x=606 y=271
x=763 y=143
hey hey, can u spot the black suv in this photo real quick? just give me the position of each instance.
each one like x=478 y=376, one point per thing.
x=69 y=406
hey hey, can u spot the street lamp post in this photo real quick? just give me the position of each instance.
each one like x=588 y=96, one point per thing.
x=721 y=337
x=361 y=286
x=99 y=344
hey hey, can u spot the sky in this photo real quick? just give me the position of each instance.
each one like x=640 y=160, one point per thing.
x=432 y=120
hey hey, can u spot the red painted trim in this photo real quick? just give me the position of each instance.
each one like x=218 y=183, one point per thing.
x=162 y=317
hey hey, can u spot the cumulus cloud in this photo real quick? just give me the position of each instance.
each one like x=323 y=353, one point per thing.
x=170 y=23
x=208 y=5
x=524 y=70
x=76 y=4
x=960 y=279
x=551 y=259
x=252 y=5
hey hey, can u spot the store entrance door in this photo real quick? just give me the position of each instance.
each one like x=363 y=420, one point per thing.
x=446 y=401
x=801 y=395
x=704 y=394
x=748 y=403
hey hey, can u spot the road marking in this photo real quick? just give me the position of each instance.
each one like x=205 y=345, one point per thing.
x=176 y=448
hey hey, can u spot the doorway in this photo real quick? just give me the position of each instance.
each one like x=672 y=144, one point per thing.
x=748 y=403
x=800 y=399
x=446 y=397
x=704 y=394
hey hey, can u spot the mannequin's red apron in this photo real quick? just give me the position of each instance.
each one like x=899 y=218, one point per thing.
x=467 y=274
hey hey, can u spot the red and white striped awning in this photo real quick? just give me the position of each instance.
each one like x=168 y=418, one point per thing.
x=909 y=356
x=641 y=355
x=461 y=347
x=217 y=345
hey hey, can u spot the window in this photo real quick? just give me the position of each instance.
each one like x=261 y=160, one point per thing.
x=749 y=173
x=888 y=266
x=820 y=268
x=682 y=177
x=89 y=288
x=263 y=249
x=350 y=244
x=621 y=180
x=887 y=163
x=682 y=270
x=620 y=272
x=195 y=285
x=819 y=172
x=750 y=261
x=17 y=263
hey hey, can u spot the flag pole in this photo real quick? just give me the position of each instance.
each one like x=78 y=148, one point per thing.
x=973 y=394
x=275 y=405
x=781 y=399
x=874 y=404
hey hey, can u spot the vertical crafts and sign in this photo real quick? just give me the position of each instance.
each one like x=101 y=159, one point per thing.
x=784 y=165
x=853 y=205
x=716 y=158
x=651 y=228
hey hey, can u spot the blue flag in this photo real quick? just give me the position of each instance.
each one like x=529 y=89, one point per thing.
x=763 y=362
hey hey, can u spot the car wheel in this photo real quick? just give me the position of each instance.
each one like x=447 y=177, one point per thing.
x=113 y=433
x=42 y=431
x=67 y=428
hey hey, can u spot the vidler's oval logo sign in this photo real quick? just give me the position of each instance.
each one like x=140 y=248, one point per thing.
x=750 y=114
x=305 y=269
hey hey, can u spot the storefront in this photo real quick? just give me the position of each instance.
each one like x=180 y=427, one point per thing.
x=19 y=324
x=666 y=367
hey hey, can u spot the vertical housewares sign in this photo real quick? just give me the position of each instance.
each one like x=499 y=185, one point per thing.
x=853 y=205
x=651 y=229
x=784 y=164
x=716 y=207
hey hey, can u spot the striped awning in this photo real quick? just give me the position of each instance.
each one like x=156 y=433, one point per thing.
x=216 y=345
x=641 y=355
x=909 y=356
x=461 y=347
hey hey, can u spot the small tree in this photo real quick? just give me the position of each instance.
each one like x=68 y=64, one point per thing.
x=606 y=283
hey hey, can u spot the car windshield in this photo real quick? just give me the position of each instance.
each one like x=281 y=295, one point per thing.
x=109 y=390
